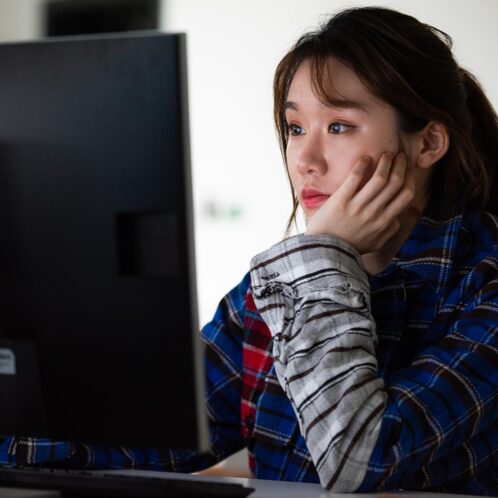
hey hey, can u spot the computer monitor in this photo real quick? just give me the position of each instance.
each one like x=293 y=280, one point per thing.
x=99 y=337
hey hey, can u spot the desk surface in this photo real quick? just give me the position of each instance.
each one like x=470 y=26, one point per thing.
x=263 y=489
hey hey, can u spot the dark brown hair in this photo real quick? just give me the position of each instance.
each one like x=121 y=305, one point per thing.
x=410 y=66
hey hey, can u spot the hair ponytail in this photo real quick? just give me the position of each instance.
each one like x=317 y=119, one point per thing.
x=484 y=136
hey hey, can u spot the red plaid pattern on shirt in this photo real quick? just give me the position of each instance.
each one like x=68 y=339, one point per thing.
x=256 y=363
x=269 y=425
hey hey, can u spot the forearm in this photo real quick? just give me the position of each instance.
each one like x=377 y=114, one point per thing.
x=313 y=293
x=48 y=453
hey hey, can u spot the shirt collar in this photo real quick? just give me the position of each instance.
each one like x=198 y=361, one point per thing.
x=431 y=249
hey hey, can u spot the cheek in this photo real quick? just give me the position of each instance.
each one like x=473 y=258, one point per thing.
x=345 y=156
x=373 y=143
x=381 y=139
x=293 y=175
x=341 y=159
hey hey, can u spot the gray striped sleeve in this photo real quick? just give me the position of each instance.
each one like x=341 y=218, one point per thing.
x=313 y=293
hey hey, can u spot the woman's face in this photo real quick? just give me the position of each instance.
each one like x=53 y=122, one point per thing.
x=326 y=140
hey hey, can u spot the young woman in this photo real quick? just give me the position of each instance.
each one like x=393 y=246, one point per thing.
x=362 y=353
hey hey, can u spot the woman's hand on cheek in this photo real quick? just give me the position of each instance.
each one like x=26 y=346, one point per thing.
x=365 y=214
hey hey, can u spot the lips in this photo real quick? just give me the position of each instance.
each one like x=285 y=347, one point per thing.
x=312 y=197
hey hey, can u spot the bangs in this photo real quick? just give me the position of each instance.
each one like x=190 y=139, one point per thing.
x=322 y=80
x=317 y=54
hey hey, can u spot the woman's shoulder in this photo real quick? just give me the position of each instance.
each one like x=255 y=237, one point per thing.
x=231 y=308
x=475 y=270
x=481 y=231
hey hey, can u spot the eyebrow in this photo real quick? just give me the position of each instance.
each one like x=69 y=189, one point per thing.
x=335 y=102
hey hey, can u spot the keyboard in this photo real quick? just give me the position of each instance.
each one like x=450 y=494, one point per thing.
x=79 y=483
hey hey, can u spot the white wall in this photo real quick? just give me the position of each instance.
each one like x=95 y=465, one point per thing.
x=233 y=48
x=19 y=19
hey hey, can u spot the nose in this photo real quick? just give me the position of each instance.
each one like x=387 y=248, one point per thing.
x=311 y=160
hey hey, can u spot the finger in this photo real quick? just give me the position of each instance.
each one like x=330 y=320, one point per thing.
x=404 y=198
x=378 y=181
x=394 y=184
x=354 y=180
x=389 y=232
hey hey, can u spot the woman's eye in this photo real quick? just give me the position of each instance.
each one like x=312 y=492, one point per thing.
x=338 y=128
x=295 y=130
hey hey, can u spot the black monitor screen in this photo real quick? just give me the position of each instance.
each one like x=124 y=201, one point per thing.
x=98 y=323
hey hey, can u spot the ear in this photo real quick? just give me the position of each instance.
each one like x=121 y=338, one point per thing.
x=433 y=143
